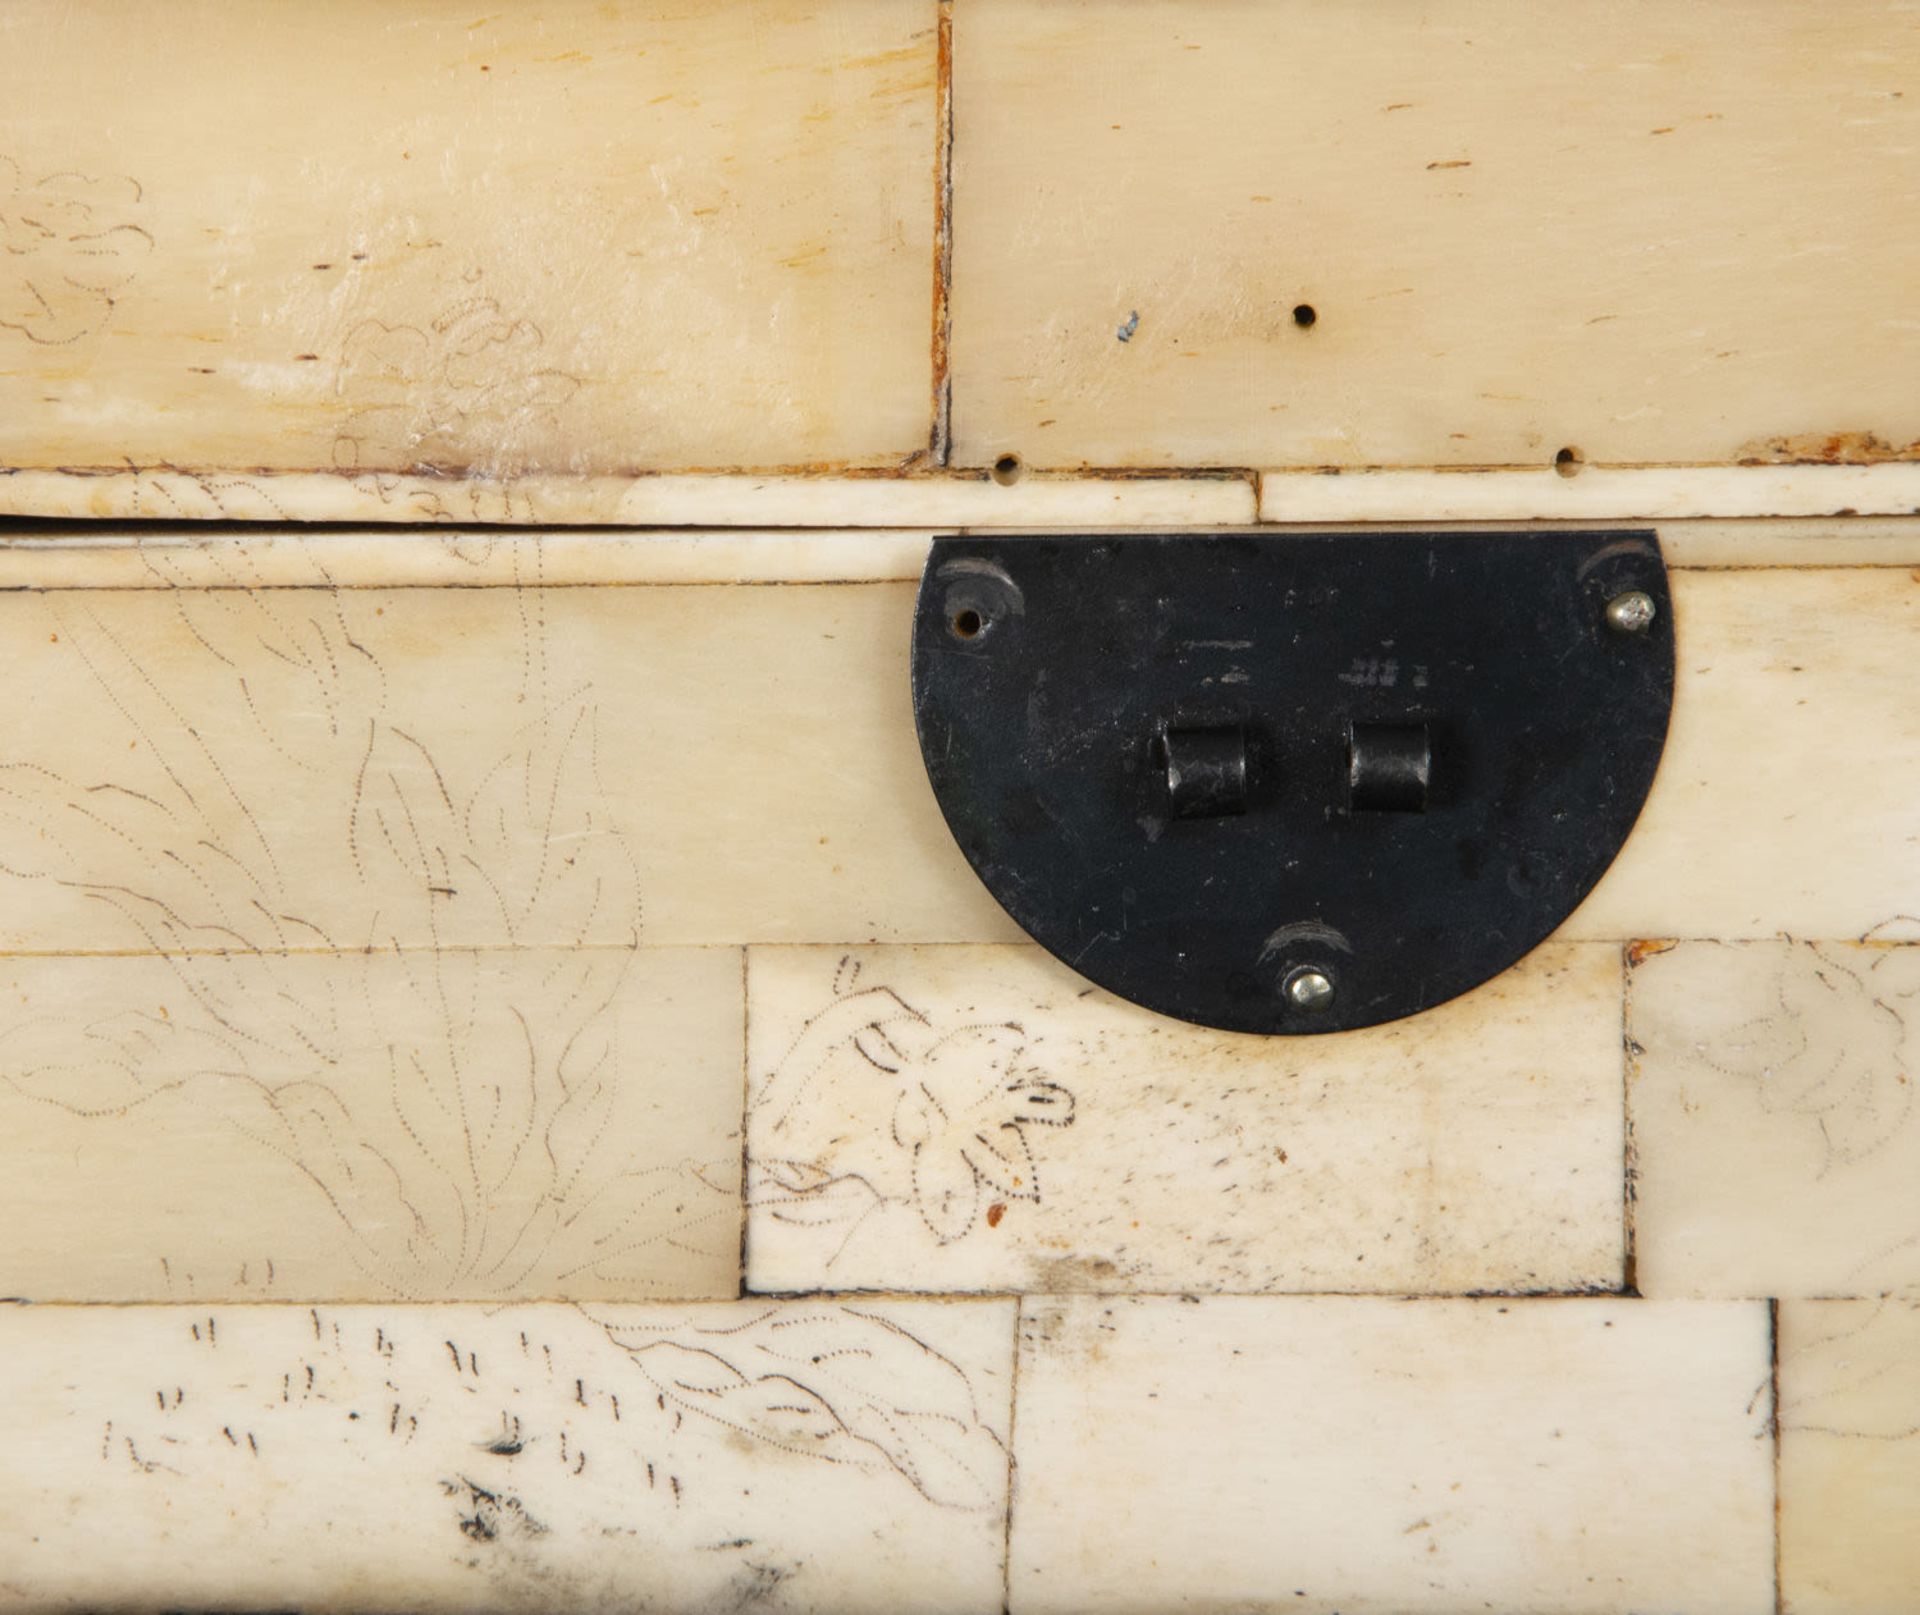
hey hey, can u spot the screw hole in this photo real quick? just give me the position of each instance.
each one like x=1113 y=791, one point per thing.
x=1568 y=462
x=1006 y=470
x=968 y=623
x=1304 y=314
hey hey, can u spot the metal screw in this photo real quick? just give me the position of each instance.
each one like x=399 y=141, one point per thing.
x=1309 y=989
x=1630 y=613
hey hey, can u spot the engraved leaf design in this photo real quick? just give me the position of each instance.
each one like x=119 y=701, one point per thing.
x=539 y=835
x=1860 y=1376
x=489 y=1165
x=834 y=1383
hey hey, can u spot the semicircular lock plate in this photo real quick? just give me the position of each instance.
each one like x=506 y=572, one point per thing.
x=1292 y=782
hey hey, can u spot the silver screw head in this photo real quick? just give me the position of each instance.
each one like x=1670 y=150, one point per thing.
x=1308 y=988
x=1630 y=613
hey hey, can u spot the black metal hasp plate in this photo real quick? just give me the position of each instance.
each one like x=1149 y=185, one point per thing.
x=1292 y=782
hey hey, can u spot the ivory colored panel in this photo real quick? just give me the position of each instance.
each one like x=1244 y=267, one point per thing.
x=110 y=556
x=423 y=1125
x=814 y=1456
x=1849 y=1456
x=264 y=768
x=1707 y=543
x=969 y=1118
x=1773 y=1118
x=1748 y=494
x=1328 y=1454
x=1804 y=542
x=1786 y=798
x=365 y=237
x=1648 y=232
x=739 y=765
x=1596 y=494
x=974 y=499
x=703 y=500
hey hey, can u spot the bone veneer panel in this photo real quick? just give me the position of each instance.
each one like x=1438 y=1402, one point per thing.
x=367 y=238
x=235 y=768
x=975 y=1118
x=1337 y=1454
x=1785 y=800
x=115 y=555
x=393 y=767
x=433 y=1124
x=1849 y=1456
x=1650 y=233
x=808 y=1456
x=1776 y=1142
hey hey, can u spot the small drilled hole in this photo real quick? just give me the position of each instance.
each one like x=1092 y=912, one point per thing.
x=1304 y=315
x=968 y=623
x=1568 y=462
x=1006 y=470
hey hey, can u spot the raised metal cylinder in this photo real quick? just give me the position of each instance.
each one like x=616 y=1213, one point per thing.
x=1206 y=772
x=1389 y=767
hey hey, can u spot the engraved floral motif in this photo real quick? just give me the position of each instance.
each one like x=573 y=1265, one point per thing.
x=952 y=1105
x=68 y=243
x=1832 y=1051
x=468 y=391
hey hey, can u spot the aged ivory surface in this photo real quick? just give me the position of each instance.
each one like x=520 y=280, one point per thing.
x=510 y=1097
x=544 y=983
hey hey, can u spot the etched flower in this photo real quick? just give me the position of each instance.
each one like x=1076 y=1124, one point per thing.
x=1832 y=1051
x=941 y=1115
x=67 y=244
x=468 y=391
x=963 y=1114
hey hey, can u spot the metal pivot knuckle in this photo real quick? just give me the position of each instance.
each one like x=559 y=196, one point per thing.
x=1388 y=767
x=1292 y=783
x=1206 y=771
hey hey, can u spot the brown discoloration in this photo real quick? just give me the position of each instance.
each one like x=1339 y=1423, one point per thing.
x=940 y=440
x=995 y=1212
x=1826 y=448
x=1638 y=952
x=1060 y=1275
